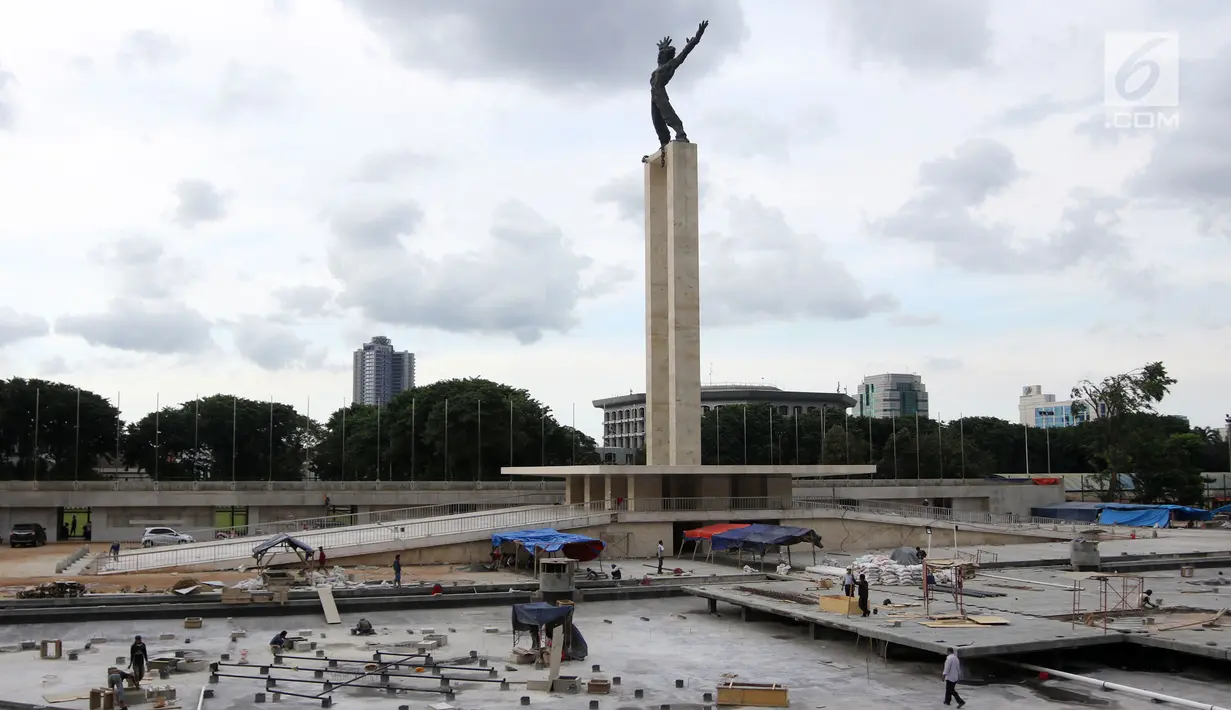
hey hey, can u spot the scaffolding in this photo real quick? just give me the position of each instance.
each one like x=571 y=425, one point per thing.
x=1116 y=594
x=956 y=588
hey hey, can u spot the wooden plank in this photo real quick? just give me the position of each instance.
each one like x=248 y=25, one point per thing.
x=989 y=620
x=68 y=697
x=329 y=605
x=753 y=694
x=951 y=625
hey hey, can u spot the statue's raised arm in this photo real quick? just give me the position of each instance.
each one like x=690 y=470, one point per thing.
x=692 y=42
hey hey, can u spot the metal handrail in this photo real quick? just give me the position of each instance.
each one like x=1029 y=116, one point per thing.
x=352 y=536
x=370 y=517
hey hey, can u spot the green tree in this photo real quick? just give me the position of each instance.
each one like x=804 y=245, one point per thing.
x=219 y=438
x=70 y=438
x=1168 y=469
x=1111 y=405
x=452 y=430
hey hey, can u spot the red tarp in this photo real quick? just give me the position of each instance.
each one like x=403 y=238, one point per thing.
x=710 y=531
x=1046 y=481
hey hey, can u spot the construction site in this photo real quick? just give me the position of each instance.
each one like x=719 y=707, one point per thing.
x=737 y=614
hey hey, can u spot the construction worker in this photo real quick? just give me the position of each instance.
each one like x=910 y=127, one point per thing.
x=363 y=628
x=138 y=658
x=115 y=681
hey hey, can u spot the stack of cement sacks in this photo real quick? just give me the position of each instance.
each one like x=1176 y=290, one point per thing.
x=879 y=569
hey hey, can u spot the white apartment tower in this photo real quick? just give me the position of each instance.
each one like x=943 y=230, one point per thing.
x=379 y=372
x=893 y=394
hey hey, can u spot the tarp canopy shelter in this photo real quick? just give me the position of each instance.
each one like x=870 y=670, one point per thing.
x=1148 y=516
x=274 y=545
x=758 y=537
x=1225 y=510
x=548 y=540
x=699 y=536
x=541 y=615
x=905 y=556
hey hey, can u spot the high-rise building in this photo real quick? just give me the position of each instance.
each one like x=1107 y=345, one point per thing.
x=379 y=372
x=1038 y=409
x=893 y=395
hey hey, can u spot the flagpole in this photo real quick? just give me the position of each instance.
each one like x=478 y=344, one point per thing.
x=869 y=418
x=234 y=414
x=745 y=434
x=478 y=449
x=846 y=436
x=717 y=438
x=117 y=429
x=37 y=397
x=918 y=457
x=573 y=461
x=822 y=456
x=448 y=475
x=796 y=437
x=510 y=432
x=771 y=435
x=961 y=430
x=543 y=438
x=940 y=451
x=157 y=432
x=196 y=438
x=307 y=424
x=1026 y=430
x=77 y=444
x=414 y=439
x=893 y=423
x=343 y=438
x=1047 y=437
x=378 y=408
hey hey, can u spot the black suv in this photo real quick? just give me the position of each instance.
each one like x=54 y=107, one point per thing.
x=31 y=534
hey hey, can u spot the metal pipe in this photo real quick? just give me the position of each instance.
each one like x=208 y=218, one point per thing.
x=1104 y=685
x=1069 y=588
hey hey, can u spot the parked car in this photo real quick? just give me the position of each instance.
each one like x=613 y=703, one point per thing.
x=164 y=536
x=27 y=534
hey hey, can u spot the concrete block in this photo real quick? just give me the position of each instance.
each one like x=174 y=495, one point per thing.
x=225 y=656
x=239 y=634
x=504 y=685
x=164 y=674
x=595 y=668
x=593 y=705
x=166 y=637
x=318 y=674
x=213 y=679
x=209 y=693
x=119 y=660
x=193 y=622
x=638 y=693
x=615 y=680
x=491 y=630
x=320 y=653
x=427 y=631
x=29 y=645
x=474 y=654
x=707 y=697
x=679 y=683
x=72 y=655
x=525 y=700
x=260 y=698
x=98 y=639
x=326 y=702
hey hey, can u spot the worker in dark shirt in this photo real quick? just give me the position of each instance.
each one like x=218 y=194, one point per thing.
x=862 y=587
x=277 y=643
x=138 y=658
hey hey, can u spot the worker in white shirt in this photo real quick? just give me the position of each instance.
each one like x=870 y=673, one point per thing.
x=952 y=674
x=848 y=584
x=660 y=556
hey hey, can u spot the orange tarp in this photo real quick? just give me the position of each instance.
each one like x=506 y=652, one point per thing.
x=1046 y=481
x=710 y=531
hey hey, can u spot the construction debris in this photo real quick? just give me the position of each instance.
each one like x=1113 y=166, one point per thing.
x=53 y=590
x=809 y=599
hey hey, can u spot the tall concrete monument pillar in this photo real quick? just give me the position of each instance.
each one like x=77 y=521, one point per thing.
x=672 y=308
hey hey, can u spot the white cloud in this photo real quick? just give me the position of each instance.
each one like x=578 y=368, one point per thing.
x=200 y=199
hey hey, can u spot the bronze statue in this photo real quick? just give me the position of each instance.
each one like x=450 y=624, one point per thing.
x=661 y=111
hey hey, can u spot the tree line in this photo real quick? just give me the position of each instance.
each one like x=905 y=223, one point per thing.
x=467 y=429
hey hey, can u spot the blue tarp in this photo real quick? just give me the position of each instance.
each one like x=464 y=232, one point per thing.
x=529 y=617
x=1147 y=516
x=1142 y=518
x=1075 y=511
x=577 y=547
x=1220 y=511
x=757 y=537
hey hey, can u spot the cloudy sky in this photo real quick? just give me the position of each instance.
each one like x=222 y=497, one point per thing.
x=231 y=196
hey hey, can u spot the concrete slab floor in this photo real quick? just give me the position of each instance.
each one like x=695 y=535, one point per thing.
x=679 y=641
x=1169 y=542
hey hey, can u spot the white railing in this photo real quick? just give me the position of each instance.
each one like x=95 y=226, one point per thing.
x=970 y=517
x=240 y=550
x=374 y=517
